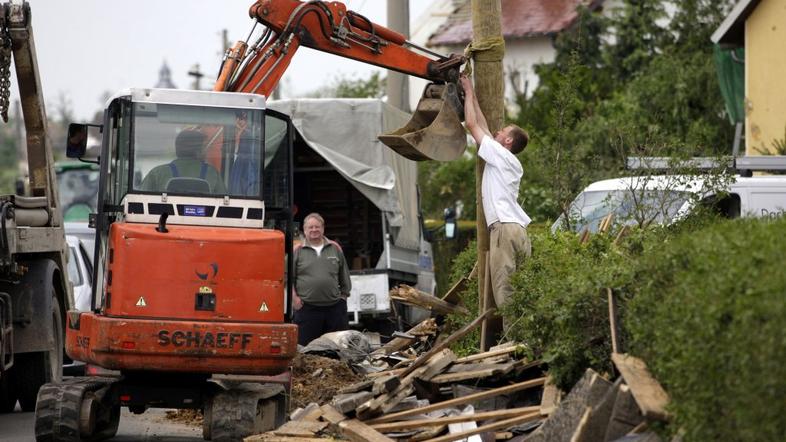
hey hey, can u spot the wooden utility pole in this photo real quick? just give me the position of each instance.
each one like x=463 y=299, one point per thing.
x=488 y=51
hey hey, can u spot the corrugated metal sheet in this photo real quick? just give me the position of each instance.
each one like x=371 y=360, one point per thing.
x=520 y=19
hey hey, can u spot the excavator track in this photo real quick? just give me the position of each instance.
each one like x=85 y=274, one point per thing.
x=243 y=410
x=62 y=414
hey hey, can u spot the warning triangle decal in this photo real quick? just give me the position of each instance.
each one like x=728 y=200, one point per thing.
x=141 y=302
x=263 y=307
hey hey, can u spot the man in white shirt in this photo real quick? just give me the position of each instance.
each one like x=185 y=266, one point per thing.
x=506 y=220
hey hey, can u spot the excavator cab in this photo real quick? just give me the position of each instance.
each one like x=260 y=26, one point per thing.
x=190 y=302
x=434 y=132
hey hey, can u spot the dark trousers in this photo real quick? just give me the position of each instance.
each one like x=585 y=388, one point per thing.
x=313 y=320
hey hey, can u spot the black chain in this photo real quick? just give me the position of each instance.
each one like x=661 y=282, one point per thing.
x=5 y=71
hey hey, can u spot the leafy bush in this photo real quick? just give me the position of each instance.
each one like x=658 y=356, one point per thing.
x=559 y=307
x=708 y=315
x=462 y=266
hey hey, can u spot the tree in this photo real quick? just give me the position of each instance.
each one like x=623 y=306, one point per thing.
x=343 y=87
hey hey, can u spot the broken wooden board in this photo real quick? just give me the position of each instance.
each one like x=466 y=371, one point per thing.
x=452 y=296
x=425 y=327
x=625 y=416
x=357 y=387
x=486 y=415
x=437 y=364
x=562 y=423
x=411 y=295
x=345 y=403
x=300 y=428
x=473 y=371
x=505 y=350
x=461 y=400
x=649 y=395
x=595 y=422
x=422 y=359
x=330 y=414
x=357 y=431
x=535 y=415
x=269 y=437
x=550 y=399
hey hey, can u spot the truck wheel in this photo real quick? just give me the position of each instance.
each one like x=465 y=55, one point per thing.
x=7 y=392
x=32 y=370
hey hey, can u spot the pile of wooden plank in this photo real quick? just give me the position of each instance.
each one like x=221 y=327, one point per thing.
x=430 y=395
x=598 y=410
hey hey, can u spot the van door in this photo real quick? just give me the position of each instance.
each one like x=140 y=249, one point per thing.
x=766 y=201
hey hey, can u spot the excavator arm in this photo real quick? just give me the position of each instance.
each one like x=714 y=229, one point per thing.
x=435 y=130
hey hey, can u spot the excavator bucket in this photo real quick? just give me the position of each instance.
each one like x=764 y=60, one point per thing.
x=434 y=132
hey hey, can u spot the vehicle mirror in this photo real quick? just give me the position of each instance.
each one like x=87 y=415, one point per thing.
x=76 y=143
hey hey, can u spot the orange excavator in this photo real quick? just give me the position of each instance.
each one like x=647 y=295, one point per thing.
x=194 y=228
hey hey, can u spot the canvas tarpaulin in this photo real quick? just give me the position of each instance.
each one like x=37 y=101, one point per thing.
x=344 y=132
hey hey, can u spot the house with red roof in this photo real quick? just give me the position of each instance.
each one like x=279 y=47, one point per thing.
x=529 y=28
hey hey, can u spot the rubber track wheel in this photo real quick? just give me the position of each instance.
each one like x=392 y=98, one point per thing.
x=233 y=415
x=57 y=413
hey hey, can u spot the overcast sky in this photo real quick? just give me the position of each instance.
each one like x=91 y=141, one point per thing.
x=87 y=48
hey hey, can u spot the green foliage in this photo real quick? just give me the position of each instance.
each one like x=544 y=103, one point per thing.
x=462 y=266
x=707 y=314
x=343 y=87
x=443 y=184
x=559 y=306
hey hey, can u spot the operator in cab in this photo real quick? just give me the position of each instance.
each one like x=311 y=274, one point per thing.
x=189 y=163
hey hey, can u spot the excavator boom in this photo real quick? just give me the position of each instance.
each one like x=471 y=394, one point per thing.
x=435 y=130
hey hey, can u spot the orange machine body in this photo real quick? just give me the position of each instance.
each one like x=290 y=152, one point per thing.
x=194 y=299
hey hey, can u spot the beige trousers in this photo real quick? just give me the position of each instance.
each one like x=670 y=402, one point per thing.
x=509 y=246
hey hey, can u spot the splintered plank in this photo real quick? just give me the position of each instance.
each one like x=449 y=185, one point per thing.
x=550 y=399
x=357 y=431
x=461 y=400
x=413 y=296
x=300 y=428
x=422 y=359
x=511 y=348
x=486 y=415
x=330 y=414
x=425 y=327
x=507 y=423
x=648 y=393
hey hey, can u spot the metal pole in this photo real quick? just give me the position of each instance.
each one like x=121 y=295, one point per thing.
x=397 y=83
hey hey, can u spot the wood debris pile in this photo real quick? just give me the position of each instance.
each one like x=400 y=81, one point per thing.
x=416 y=389
x=416 y=392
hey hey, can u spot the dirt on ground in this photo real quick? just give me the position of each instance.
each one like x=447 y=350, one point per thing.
x=317 y=379
x=188 y=417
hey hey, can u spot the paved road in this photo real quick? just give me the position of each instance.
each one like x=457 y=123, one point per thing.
x=148 y=427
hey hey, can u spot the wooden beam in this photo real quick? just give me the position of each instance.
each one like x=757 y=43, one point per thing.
x=413 y=296
x=461 y=400
x=300 y=428
x=518 y=420
x=446 y=343
x=425 y=327
x=550 y=399
x=648 y=393
x=357 y=431
x=497 y=414
x=330 y=414
x=452 y=296
x=511 y=348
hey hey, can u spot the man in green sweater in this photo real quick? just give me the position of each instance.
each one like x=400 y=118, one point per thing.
x=322 y=283
x=188 y=164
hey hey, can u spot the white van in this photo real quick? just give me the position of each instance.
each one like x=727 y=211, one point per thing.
x=662 y=199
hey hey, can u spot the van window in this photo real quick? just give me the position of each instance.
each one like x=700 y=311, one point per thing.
x=644 y=207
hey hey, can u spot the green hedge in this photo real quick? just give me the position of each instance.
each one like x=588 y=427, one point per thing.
x=709 y=316
x=704 y=304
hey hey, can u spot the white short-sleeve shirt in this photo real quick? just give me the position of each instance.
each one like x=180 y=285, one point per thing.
x=500 y=188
